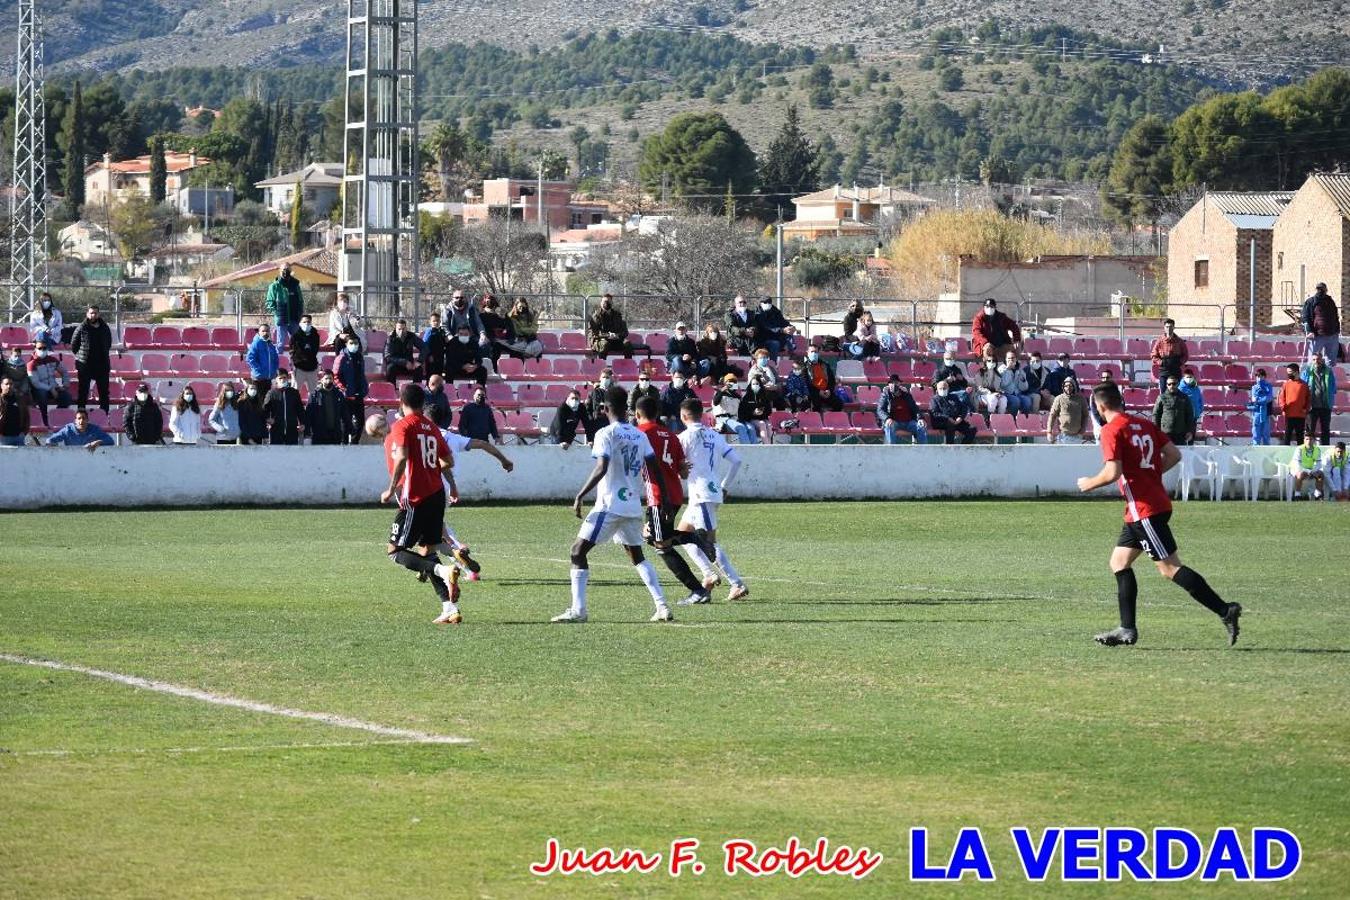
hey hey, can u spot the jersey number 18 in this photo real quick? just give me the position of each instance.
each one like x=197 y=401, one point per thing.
x=430 y=458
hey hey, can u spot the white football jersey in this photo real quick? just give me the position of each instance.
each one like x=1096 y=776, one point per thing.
x=458 y=444
x=626 y=449
x=704 y=448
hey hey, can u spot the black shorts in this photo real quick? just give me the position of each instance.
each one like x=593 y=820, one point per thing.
x=660 y=523
x=1152 y=535
x=420 y=525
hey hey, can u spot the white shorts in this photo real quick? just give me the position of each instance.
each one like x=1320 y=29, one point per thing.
x=601 y=526
x=700 y=515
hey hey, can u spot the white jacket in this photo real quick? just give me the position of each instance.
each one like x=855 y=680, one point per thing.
x=38 y=325
x=186 y=427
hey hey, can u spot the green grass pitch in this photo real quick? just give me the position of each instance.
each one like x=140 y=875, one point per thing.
x=898 y=665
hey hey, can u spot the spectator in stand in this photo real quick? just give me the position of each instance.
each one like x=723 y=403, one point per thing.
x=462 y=360
x=1169 y=353
x=754 y=410
x=15 y=419
x=851 y=317
x=763 y=367
x=897 y=412
x=284 y=411
x=797 y=390
x=865 y=342
x=570 y=416
x=252 y=419
x=304 y=350
x=821 y=378
x=1097 y=423
x=326 y=413
x=994 y=329
x=459 y=311
x=437 y=404
x=1013 y=383
x=499 y=329
x=954 y=373
x=401 y=354
x=46 y=322
x=726 y=405
x=341 y=320
x=433 y=347
x=1321 y=379
x=526 y=325
x=643 y=388
x=682 y=354
x=285 y=304
x=224 y=415
x=185 y=418
x=1191 y=388
x=1055 y=378
x=349 y=373
x=82 y=433
x=596 y=403
x=949 y=414
x=1338 y=473
x=1322 y=325
x=607 y=330
x=773 y=332
x=1293 y=402
x=990 y=385
x=15 y=368
x=1173 y=413
x=672 y=396
x=1068 y=420
x=1036 y=375
x=713 y=364
x=1260 y=403
x=1307 y=463
x=92 y=345
x=262 y=359
x=742 y=327
x=477 y=421
x=48 y=379
x=143 y=420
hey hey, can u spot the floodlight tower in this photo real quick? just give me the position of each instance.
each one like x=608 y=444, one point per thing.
x=28 y=197
x=380 y=179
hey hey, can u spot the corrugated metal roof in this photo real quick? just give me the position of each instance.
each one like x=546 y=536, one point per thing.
x=1337 y=187
x=1250 y=203
x=1252 y=223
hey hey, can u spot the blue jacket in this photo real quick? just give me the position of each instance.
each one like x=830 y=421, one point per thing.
x=261 y=358
x=796 y=386
x=350 y=373
x=1195 y=395
x=1309 y=373
x=477 y=421
x=1260 y=399
x=69 y=437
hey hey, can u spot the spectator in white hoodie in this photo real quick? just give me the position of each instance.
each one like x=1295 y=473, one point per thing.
x=185 y=419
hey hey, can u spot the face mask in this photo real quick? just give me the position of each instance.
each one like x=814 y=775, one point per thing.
x=189 y=397
x=15 y=360
x=229 y=395
x=755 y=387
x=643 y=382
x=462 y=338
x=142 y=396
x=253 y=392
x=729 y=386
x=305 y=326
x=990 y=310
x=606 y=382
x=1035 y=363
x=342 y=307
x=813 y=356
x=326 y=384
x=282 y=385
x=677 y=382
x=681 y=334
x=942 y=392
x=46 y=304
x=763 y=362
x=990 y=364
x=573 y=403
x=799 y=372
x=43 y=354
x=352 y=348
x=948 y=360
x=766 y=306
x=740 y=307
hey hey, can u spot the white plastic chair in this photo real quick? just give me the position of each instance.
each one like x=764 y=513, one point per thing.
x=1267 y=470
x=1196 y=471
x=1226 y=467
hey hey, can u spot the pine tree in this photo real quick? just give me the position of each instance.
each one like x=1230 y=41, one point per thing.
x=1140 y=174
x=159 y=172
x=297 y=211
x=73 y=133
x=790 y=166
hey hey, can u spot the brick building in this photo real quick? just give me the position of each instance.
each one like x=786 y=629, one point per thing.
x=1312 y=243
x=1209 y=258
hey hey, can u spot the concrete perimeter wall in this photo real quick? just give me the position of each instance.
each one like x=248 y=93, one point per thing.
x=33 y=478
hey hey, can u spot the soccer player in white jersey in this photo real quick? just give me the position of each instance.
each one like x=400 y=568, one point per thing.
x=704 y=449
x=621 y=454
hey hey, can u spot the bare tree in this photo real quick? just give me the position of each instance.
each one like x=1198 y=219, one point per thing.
x=507 y=256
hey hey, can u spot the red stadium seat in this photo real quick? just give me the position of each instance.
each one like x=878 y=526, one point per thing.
x=156 y=365
x=836 y=423
x=875 y=372
x=184 y=365
x=624 y=369
x=1060 y=345
x=1036 y=345
x=656 y=368
x=549 y=341
x=1110 y=348
x=376 y=341
x=501 y=395
x=1205 y=349
x=1237 y=374
x=556 y=394
x=777 y=422
x=573 y=342
x=217 y=365
x=657 y=343
x=532 y=396
x=522 y=425
x=1003 y=425
x=137 y=337
x=125 y=366
x=225 y=337
x=167 y=337
x=196 y=336
x=509 y=367
x=382 y=392
x=565 y=367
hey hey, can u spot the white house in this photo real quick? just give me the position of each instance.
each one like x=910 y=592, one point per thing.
x=88 y=242
x=321 y=184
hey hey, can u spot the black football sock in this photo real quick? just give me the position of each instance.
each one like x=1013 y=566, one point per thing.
x=1127 y=593
x=440 y=587
x=416 y=562
x=680 y=569
x=1194 y=584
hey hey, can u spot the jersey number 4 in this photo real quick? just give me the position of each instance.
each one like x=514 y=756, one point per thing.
x=1145 y=445
x=430 y=458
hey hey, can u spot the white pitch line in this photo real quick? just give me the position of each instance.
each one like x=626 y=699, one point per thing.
x=164 y=687
x=255 y=748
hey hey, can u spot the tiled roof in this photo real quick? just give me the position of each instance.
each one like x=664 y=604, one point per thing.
x=318 y=259
x=173 y=162
x=314 y=175
x=882 y=195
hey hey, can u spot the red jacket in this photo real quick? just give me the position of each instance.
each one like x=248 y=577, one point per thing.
x=983 y=330
x=1173 y=351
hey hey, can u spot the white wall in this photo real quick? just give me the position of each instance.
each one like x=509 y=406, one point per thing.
x=32 y=477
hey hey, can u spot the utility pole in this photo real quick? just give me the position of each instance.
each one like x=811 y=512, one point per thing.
x=28 y=203
x=778 y=241
x=539 y=198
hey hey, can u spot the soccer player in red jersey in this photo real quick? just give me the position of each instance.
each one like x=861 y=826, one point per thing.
x=1137 y=453
x=417 y=455
x=665 y=498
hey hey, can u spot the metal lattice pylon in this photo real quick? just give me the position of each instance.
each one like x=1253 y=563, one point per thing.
x=28 y=200
x=379 y=257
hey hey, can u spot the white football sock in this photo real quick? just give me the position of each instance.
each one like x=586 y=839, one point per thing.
x=579 y=579
x=732 y=575
x=700 y=559
x=647 y=572
x=448 y=606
